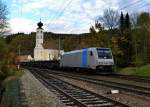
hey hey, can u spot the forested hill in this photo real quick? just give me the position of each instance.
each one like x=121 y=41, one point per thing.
x=26 y=42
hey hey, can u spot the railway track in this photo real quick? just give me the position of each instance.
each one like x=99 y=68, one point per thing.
x=142 y=91
x=133 y=78
x=74 y=96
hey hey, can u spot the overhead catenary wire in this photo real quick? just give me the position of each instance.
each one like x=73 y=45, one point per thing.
x=57 y=16
x=138 y=5
x=131 y=4
x=20 y=16
x=54 y=15
x=145 y=5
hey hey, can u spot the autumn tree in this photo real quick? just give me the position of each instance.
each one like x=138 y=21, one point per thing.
x=142 y=38
x=3 y=18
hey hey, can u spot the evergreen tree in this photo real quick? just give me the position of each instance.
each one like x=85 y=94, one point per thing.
x=127 y=22
x=125 y=42
x=128 y=50
x=121 y=22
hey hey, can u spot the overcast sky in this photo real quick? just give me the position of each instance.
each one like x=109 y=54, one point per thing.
x=65 y=16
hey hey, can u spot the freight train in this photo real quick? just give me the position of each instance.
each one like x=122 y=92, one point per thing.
x=99 y=59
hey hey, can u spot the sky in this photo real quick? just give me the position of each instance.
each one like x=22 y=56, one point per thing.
x=65 y=16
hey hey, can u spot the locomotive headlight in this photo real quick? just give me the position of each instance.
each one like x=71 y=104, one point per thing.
x=100 y=63
x=111 y=63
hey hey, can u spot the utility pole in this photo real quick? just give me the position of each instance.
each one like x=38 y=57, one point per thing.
x=18 y=65
x=19 y=50
x=136 y=54
x=59 y=47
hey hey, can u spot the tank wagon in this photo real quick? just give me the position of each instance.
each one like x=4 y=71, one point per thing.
x=88 y=58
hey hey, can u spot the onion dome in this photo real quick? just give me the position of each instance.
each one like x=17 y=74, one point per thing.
x=40 y=24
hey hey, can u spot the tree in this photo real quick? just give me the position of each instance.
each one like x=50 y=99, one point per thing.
x=98 y=26
x=2 y=49
x=3 y=18
x=126 y=40
x=92 y=30
x=142 y=38
x=127 y=22
x=110 y=19
x=133 y=19
x=121 y=23
x=143 y=20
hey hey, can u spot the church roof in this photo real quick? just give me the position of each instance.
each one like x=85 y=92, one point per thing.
x=49 y=45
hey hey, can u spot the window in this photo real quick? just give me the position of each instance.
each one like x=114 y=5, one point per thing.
x=104 y=53
x=91 y=53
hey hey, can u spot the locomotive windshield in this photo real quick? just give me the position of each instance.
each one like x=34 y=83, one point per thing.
x=104 y=53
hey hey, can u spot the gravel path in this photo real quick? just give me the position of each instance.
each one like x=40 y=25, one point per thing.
x=36 y=94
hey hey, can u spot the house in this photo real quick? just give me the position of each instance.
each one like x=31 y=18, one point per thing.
x=24 y=58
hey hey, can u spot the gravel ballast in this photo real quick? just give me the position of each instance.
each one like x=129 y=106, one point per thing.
x=127 y=99
x=36 y=94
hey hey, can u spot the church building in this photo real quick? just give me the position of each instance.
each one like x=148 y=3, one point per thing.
x=41 y=54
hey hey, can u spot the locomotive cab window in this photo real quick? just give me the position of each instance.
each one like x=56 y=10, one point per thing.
x=104 y=53
x=91 y=53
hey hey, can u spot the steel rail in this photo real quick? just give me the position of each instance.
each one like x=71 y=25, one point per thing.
x=124 y=87
x=78 y=102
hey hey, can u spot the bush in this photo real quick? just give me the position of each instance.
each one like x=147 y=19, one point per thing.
x=10 y=70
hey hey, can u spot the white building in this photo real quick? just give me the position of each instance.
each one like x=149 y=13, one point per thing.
x=23 y=58
x=39 y=52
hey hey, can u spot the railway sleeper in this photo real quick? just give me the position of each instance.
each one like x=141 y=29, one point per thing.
x=95 y=102
x=77 y=93
x=81 y=97
x=85 y=100
x=76 y=96
x=101 y=105
x=66 y=101
x=70 y=104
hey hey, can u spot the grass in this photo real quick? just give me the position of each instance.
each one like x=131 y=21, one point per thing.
x=140 y=71
x=10 y=81
x=11 y=97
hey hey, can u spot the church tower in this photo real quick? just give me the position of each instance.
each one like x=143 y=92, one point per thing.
x=39 y=35
x=38 y=50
